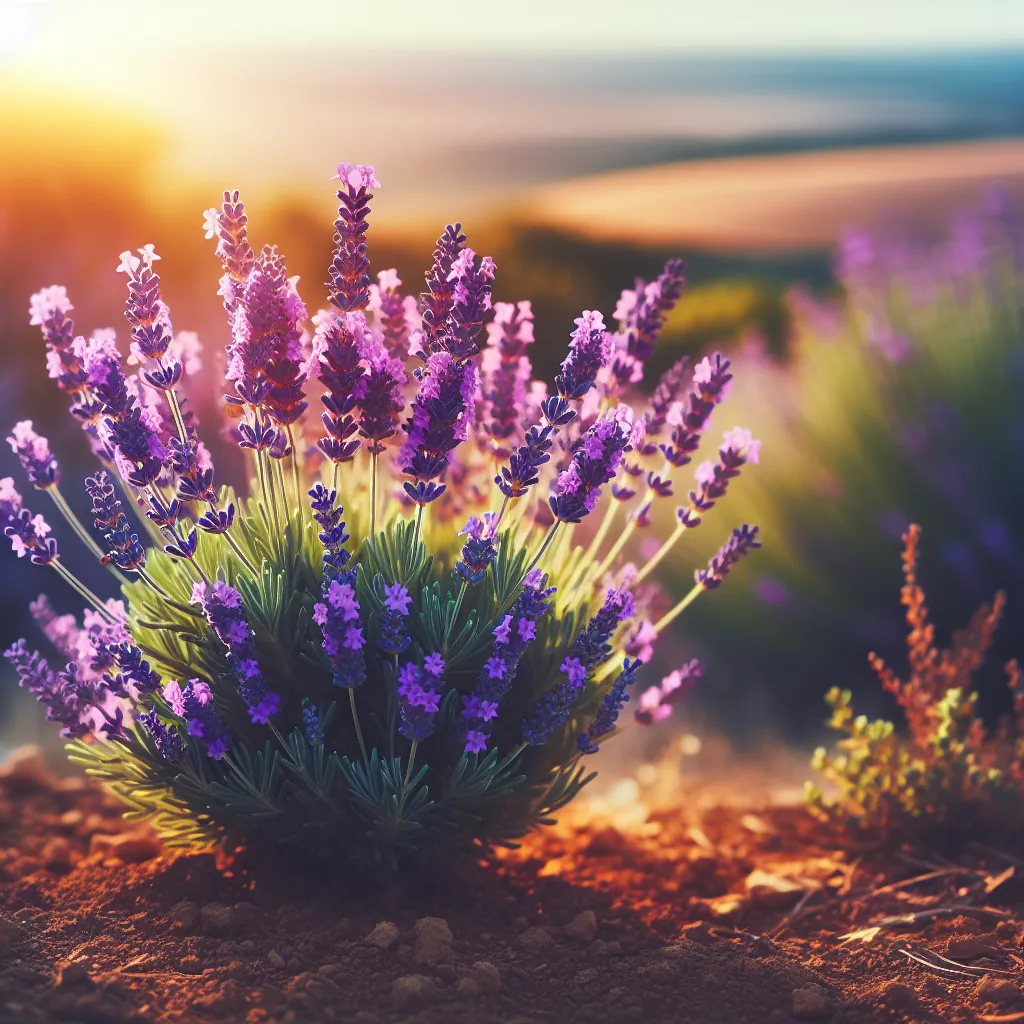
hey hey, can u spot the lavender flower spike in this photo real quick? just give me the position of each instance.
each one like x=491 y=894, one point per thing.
x=145 y=309
x=28 y=533
x=595 y=462
x=419 y=694
x=236 y=254
x=34 y=453
x=124 y=548
x=742 y=541
x=193 y=703
x=66 y=697
x=611 y=705
x=223 y=608
x=349 y=286
x=737 y=449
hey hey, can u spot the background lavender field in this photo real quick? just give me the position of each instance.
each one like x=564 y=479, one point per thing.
x=118 y=130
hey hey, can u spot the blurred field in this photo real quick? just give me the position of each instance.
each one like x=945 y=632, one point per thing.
x=778 y=202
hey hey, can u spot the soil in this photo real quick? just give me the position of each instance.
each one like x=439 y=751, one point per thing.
x=721 y=915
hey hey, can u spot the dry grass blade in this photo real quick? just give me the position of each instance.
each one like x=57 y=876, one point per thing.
x=938 y=960
x=924 y=961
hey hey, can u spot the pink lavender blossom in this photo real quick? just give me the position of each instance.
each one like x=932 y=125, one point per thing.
x=229 y=226
x=349 y=280
x=741 y=541
x=655 y=703
x=34 y=454
x=738 y=448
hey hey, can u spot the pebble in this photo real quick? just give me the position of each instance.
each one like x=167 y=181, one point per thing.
x=132 y=849
x=413 y=992
x=217 y=919
x=26 y=768
x=535 y=940
x=191 y=965
x=583 y=927
x=899 y=997
x=970 y=947
x=383 y=936
x=74 y=975
x=467 y=988
x=810 y=1002
x=185 y=916
x=485 y=976
x=433 y=941
x=275 y=959
x=996 y=990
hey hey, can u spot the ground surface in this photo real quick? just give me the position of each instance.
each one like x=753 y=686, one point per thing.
x=723 y=916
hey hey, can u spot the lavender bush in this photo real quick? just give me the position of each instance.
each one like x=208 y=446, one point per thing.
x=426 y=666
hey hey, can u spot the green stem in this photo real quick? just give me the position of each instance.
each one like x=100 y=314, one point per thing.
x=355 y=722
x=673 y=613
x=233 y=544
x=295 y=466
x=419 y=521
x=76 y=525
x=651 y=565
x=373 y=492
x=83 y=591
x=408 y=770
x=544 y=546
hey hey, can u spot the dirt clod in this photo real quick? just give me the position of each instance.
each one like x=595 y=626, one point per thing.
x=217 y=919
x=582 y=927
x=486 y=976
x=74 y=975
x=1001 y=991
x=413 y=992
x=810 y=1002
x=433 y=941
x=384 y=935
x=535 y=940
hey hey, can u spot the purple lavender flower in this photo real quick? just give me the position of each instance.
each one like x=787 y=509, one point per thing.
x=379 y=395
x=28 y=533
x=440 y=419
x=741 y=542
x=64 y=694
x=471 y=300
x=437 y=301
x=666 y=394
x=588 y=650
x=589 y=351
x=165 y=738
x=336 y=345
x=146 y=311
x=611 y=705
x=512 y=636
x=394 y=634
x=595 y=462
x=193 y=703
x=237 y=257
x=641 y=314
x=419 y=696
x=312 y=725
x=479 y=550
x=710 y=380
x=48 y=310
x=222 y=606
x=123 y=546
x=505 y=375
x=655 y=704
x=338 y=617
x=34 y=453
x=737 y=449
x=392 y=312
x=61 y=630
x=349 y=287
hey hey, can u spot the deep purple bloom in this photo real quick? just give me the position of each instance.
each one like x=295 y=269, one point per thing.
x=595 y=462
x=394 y=316
x=394 y=634
x=337 y=348
x=28 y=533
x=590 y=649
x=589 y=351
x=34 y=453
x=505 y=373
x=145 y=309
x=611 y=705
x=737 y=449
x=440 y=419
x=437 y=301
x=379 y=395
x=166 y=739
x=710 y=380
x=66 y=696
x=312 y=725
x=333 y=535
x=193 y=703
x=349 y=286
x=237 y=257
x=641 y=314
x=471 y=300
x=512 y=636
x=419 y=698
x=222 y=606
x=666 y=394
x=742 y=540
x=479 y=551
x=123 y=546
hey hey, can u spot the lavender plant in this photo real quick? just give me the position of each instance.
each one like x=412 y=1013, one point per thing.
x=404 y=634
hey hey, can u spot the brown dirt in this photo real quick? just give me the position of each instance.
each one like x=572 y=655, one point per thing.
x=720 y=916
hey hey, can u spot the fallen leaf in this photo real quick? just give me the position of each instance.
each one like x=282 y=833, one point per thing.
x=1001 y=1018
x=759 y=879
x=757 y=825
x=864 y=935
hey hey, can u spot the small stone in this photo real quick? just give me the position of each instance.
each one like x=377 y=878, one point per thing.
x=467 y=988
x=486 y=976
x=191 y=965
x=383 y=936
x=413 y=992
x=810 y=1002
x=275 y=960
x=71 y=819
x=246 y=915
x=294 y=964
x=74 y=975
x=26 y=769
x=535 y=940
x=217 y=919
x=135 y=848
x=899 y=997
x=582 y=927
x=185 y=916
x=996 y=990
x=447 y=973
x=57 y=856
x=433 y=941
x=598 y=948
x=970 y=947
x=8 y=933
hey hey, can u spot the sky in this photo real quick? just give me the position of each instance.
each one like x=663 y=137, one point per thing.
x=53 y=32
